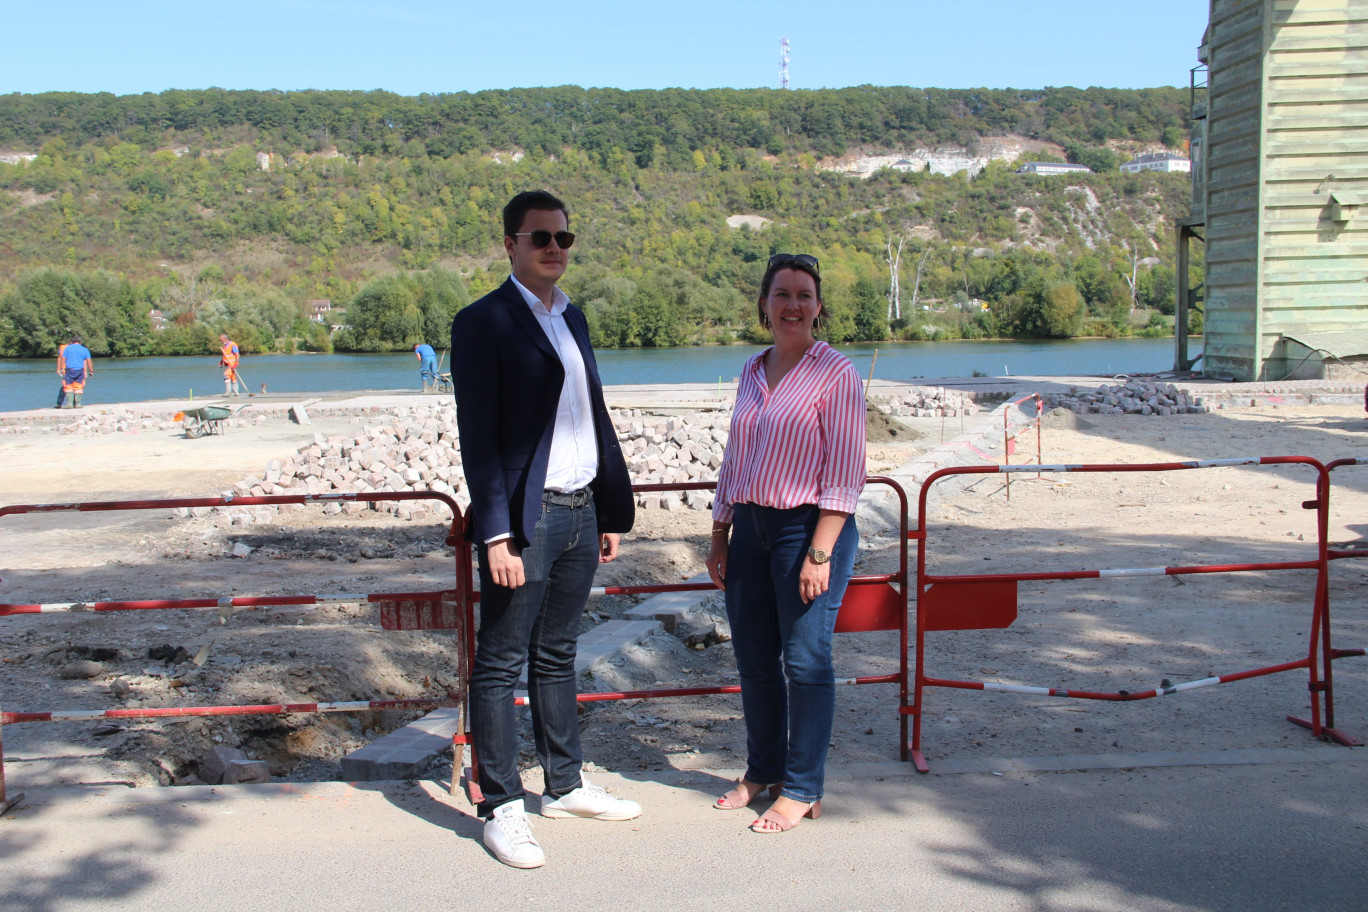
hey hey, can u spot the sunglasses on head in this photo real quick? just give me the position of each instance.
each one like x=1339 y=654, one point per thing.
x=541 y=238
x=780 y=260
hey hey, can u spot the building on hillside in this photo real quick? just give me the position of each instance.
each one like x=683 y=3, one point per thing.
x=1157 y=161
x=319 y=308
x=1279 y=183
x=1052 y=168
x=157 y=319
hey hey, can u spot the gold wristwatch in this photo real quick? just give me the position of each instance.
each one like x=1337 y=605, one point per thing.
x=818 y=555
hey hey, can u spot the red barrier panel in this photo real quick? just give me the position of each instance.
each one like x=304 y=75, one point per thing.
x=451 y=609
x=989 y=601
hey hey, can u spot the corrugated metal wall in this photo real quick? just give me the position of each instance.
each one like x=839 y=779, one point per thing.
x=1315 y=270
x=1287 y=127
x=1235 y=46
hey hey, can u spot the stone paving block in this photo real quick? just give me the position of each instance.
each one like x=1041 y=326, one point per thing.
x=604 y=640
x=670 y=607
x=404 y=753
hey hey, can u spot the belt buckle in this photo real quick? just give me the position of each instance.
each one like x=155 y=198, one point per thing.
x=571 y=499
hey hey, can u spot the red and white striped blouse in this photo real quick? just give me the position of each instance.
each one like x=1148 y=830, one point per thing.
x=804 y=443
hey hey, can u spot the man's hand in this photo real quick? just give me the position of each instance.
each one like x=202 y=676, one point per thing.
x=608 y=547
x=505 y=564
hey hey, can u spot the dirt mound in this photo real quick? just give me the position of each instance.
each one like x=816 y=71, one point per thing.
x=881 y=428
x=1064 y=419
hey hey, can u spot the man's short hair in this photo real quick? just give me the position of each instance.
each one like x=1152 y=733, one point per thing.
x=76 y=337
x=518 y=207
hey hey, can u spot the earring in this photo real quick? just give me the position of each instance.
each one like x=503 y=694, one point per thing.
x=764 y=320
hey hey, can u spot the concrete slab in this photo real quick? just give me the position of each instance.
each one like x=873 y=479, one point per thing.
x=406 y=752
x=670 y=608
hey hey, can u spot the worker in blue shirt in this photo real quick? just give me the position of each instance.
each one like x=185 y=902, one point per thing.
x=427 y=365
x=73 y=366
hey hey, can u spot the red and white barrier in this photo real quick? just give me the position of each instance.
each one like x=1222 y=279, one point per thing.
x=989 y=601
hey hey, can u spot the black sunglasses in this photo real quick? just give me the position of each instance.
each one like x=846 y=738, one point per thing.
x=541 y=238
x=780 y=260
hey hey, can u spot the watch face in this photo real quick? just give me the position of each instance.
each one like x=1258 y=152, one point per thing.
x=818 y=556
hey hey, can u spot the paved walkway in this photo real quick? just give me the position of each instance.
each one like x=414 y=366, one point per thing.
x=1235 y=830
x=704 y=395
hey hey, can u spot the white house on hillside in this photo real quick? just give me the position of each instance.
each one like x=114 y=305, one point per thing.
x=1157 y=161
x=1052 y=168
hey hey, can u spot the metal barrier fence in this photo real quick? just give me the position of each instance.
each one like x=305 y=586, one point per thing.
x=1009 y=437
x=989 y=601
x=1328 y=651
x=872 y=603
x=447 y=609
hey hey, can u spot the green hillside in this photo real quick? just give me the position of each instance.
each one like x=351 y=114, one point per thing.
x=388 y=206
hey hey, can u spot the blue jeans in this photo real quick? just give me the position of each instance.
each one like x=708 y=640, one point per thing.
x=538 y=623
x=782 y=646
x=427 y=369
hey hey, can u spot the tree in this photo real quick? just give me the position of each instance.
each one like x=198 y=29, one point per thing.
x=439 y=294
x=1051 y=310
x=383 y=317
x=1098 y=159
x=894 y=303
x=871 y=311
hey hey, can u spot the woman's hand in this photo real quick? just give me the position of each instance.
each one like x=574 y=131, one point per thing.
x=717 y=561
x=813 y=580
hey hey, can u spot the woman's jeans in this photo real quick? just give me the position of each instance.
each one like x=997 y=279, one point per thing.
x=790 y=706
x=537 y=623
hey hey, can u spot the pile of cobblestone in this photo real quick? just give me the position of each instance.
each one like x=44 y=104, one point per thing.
x=673 y=450
x=417 y=449
x=88 y=423
x=1134 y=397
x=927 y=402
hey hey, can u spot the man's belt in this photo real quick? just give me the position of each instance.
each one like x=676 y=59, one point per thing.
x=580 y=498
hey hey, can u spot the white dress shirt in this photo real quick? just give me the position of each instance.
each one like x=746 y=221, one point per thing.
x=574 y=445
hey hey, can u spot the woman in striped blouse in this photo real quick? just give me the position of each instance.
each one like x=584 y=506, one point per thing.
x=786 y=494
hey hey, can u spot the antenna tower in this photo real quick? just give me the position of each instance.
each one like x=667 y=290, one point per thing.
x=783 y=63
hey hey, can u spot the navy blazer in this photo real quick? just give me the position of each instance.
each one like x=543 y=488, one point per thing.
x=508 y=381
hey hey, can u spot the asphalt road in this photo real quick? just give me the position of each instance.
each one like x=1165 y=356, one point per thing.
x=1237 y=831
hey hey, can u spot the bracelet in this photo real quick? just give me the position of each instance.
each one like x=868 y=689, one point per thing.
x=720 y=531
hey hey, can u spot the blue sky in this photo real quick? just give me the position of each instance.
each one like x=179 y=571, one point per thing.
x=415 y=46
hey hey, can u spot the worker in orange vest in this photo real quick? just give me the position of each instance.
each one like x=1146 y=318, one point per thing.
x=228 y=360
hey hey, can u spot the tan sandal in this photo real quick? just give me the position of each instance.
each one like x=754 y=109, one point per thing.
x=772 y=821
x=747 y=790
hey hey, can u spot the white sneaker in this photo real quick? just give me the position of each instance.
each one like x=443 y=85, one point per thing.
x=590 y=801
x=508 y=834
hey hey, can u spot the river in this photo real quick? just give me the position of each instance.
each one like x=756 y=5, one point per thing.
x=29 y=384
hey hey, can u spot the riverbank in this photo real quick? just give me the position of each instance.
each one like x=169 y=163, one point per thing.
x=33 y=385
x=259 y=407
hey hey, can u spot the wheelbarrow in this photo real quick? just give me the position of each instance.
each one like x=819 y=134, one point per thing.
x=443 y=384
x=207 y=419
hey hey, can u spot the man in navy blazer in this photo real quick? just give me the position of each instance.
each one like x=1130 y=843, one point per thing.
x=549 y=494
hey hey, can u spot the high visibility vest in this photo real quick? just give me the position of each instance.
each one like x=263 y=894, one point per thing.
x=230 y=354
